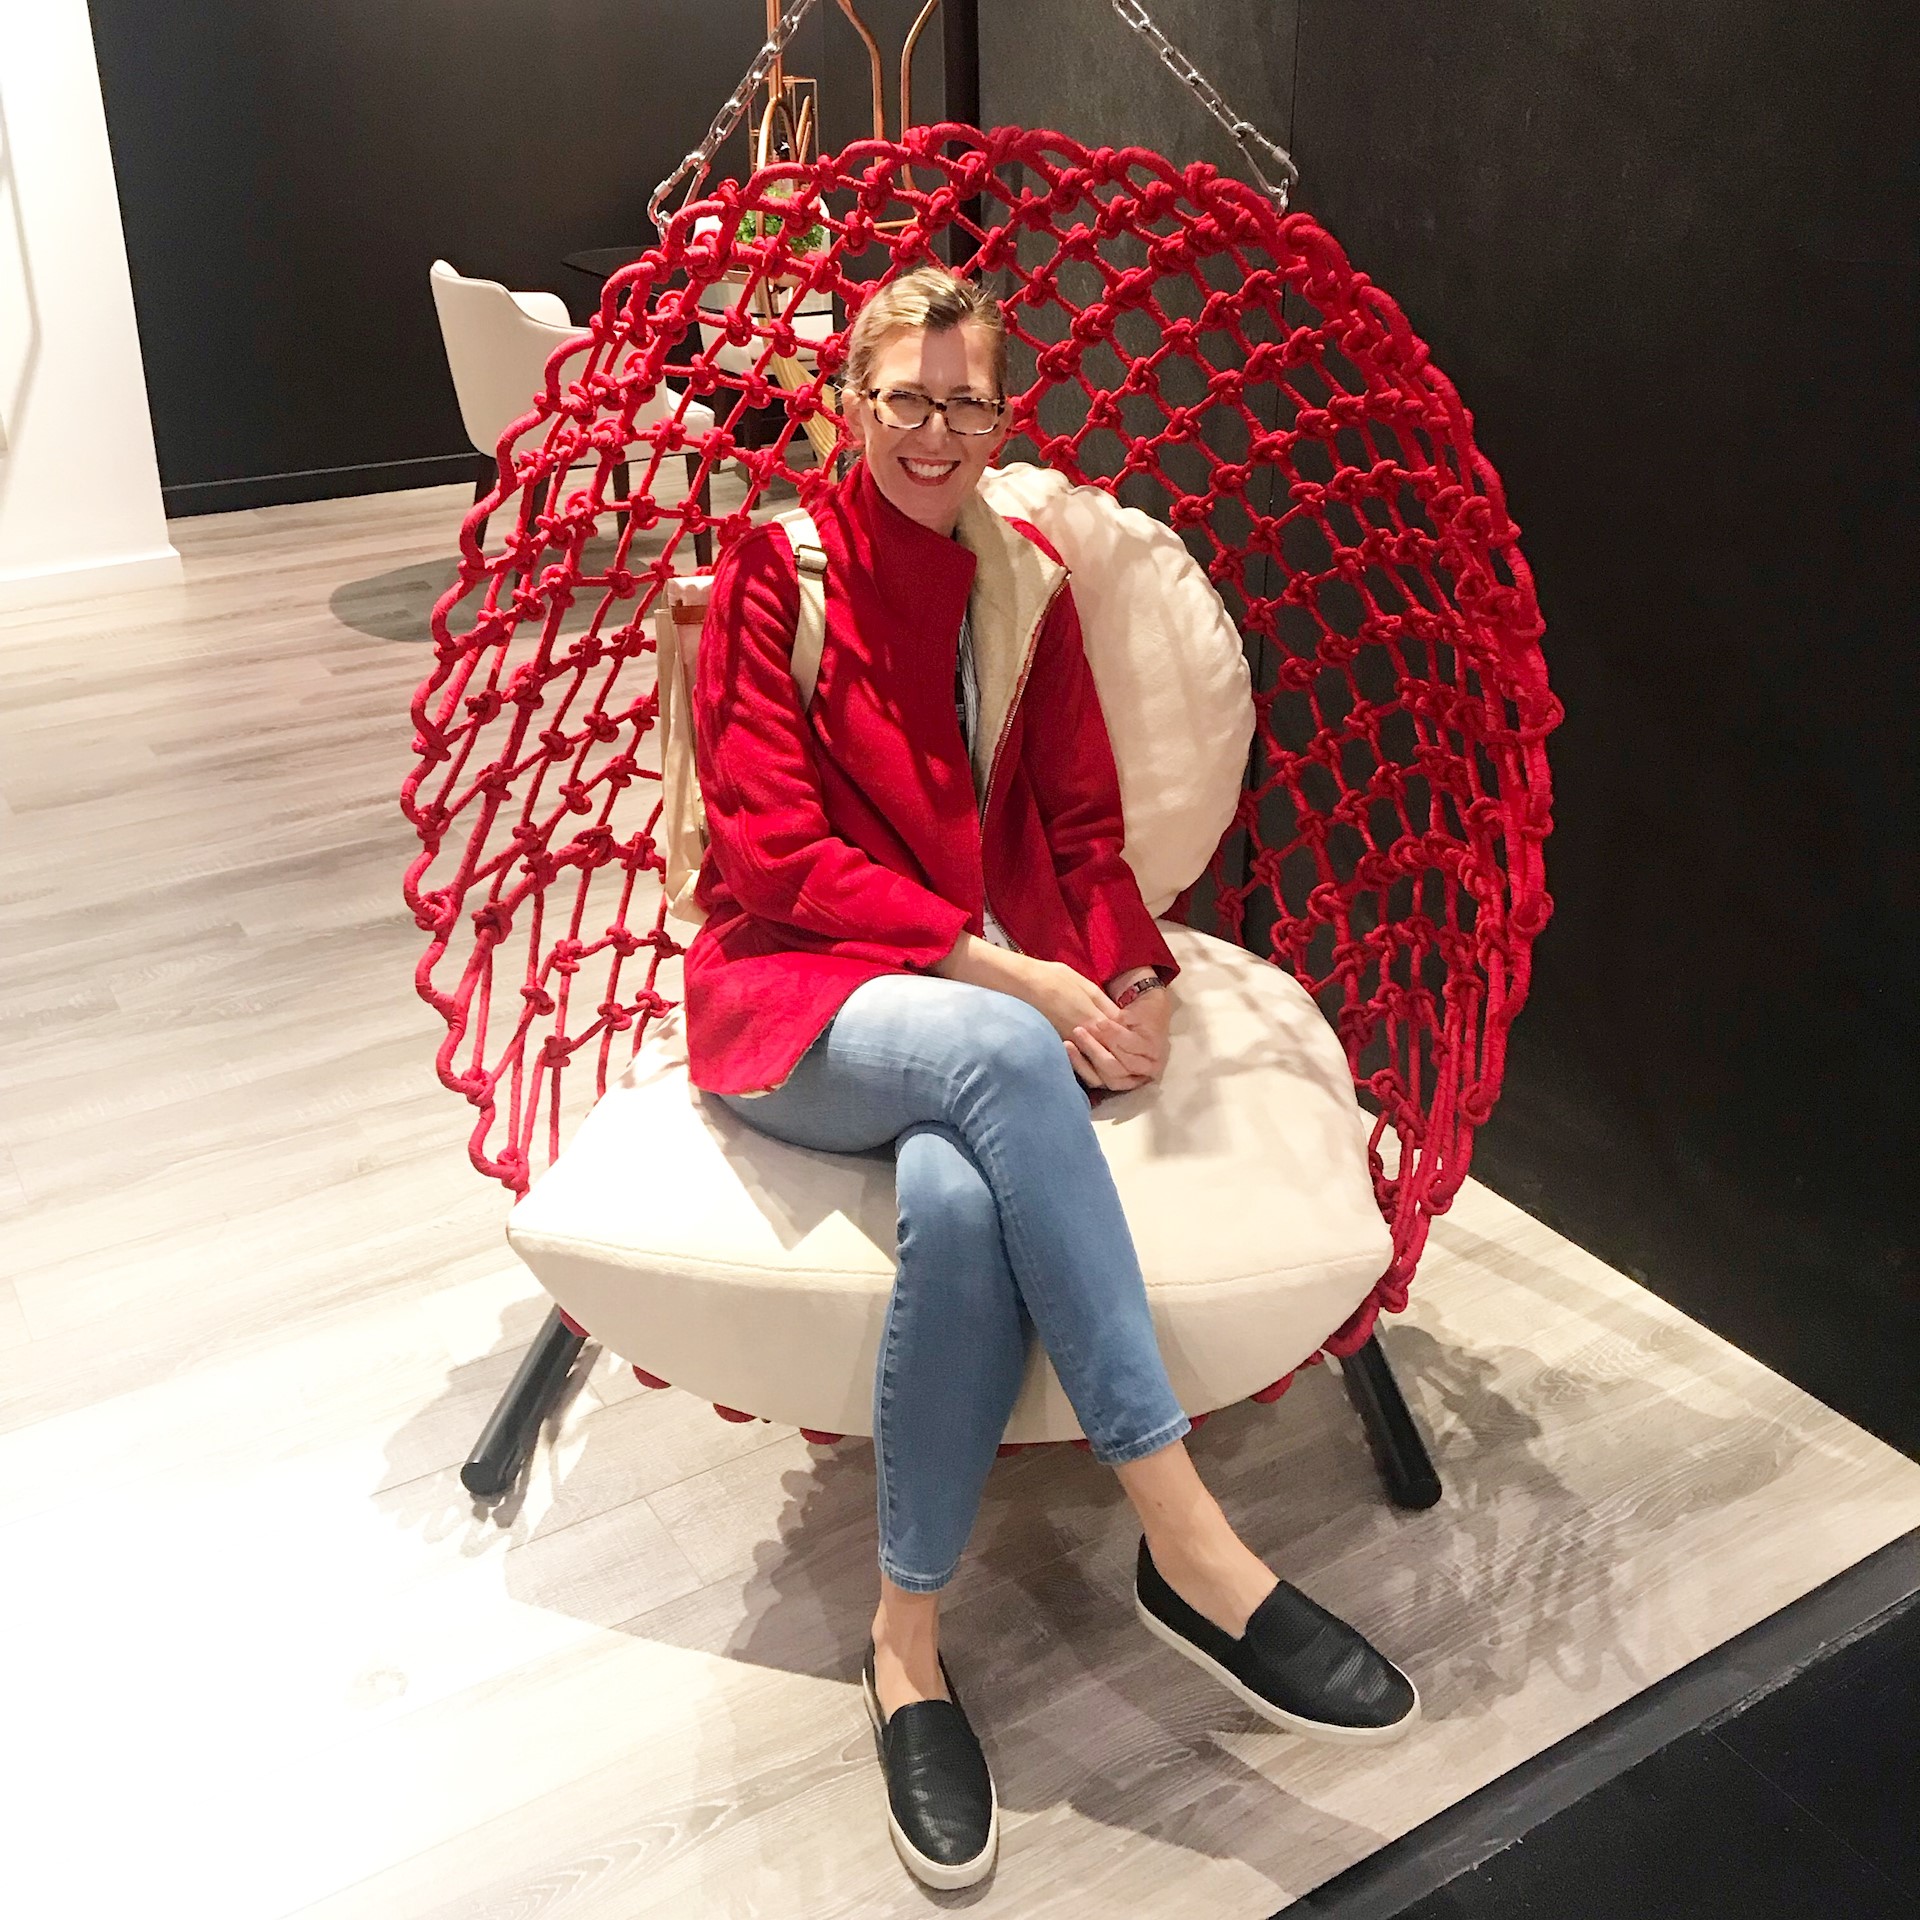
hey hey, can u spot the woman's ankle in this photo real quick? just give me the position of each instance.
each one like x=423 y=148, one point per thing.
x=906 y=1656
x=1222 y=1578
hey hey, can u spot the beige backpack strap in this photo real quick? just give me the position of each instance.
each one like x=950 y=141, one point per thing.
x=810 y=630
x=681 y=832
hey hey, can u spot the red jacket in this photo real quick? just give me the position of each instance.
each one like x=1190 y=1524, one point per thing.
x=849 y=842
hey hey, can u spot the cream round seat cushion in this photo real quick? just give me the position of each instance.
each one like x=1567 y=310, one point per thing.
x=756 y=1274
x=1167 y=661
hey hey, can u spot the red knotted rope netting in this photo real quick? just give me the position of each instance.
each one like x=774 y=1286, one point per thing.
x=1177 y=341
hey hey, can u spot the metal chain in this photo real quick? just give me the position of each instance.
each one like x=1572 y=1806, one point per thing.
x=700 y=162
x=1243 y=133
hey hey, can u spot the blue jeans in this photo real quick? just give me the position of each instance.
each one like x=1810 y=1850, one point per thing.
x=1008 y=1223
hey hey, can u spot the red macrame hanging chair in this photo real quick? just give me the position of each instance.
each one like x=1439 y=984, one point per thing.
x=1179 y=341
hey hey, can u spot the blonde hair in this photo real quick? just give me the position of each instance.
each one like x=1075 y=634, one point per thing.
x=928 y=299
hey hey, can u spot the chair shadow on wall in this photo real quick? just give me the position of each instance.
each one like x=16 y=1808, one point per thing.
x=1517 y=1570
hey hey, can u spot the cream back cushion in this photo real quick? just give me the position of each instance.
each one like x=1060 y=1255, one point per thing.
x=1168 y=663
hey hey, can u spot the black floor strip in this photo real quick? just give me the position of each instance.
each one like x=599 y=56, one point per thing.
x=1712 y=1690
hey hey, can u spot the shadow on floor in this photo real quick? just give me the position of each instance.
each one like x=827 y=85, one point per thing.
x=1565 y=1484
x=398 y=604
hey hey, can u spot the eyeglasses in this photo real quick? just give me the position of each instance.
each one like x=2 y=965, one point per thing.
x=902 y=407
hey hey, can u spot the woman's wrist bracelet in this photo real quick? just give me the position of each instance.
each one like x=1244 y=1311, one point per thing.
x=1128 y=995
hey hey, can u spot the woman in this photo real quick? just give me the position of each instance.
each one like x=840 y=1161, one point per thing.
x=920 y=932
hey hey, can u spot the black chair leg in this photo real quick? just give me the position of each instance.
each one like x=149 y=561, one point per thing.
x=703 y=540
x=1398 y=1449
x=484 y=476
x=509 y=1435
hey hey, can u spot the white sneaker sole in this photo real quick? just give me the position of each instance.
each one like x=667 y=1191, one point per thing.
x=936 y=1873
x=1277 y=1716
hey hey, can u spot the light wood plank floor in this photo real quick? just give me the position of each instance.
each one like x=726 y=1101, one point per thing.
x=263 y=1658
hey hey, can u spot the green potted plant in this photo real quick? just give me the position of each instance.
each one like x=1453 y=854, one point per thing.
x=769 y=226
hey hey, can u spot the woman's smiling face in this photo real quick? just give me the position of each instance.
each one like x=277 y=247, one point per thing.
x=928 y=471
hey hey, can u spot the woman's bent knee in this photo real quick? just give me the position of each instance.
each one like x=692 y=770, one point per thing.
x=1016 y=1043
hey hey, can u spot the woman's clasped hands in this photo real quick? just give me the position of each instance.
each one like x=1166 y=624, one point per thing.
x=1111 y=1048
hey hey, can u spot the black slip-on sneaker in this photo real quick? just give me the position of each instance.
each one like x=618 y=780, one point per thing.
x=941 y=1807
x=1296 y=1665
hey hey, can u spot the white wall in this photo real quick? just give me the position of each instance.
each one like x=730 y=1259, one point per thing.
x=80 y=507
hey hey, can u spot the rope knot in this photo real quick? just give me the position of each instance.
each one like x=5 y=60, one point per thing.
x=592 y=847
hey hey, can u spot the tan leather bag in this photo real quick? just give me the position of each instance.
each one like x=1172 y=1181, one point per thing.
x=682 y=832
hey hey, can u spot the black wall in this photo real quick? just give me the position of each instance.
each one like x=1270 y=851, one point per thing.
x=1071 y=65
x=1667 y=253
x=289 y=169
